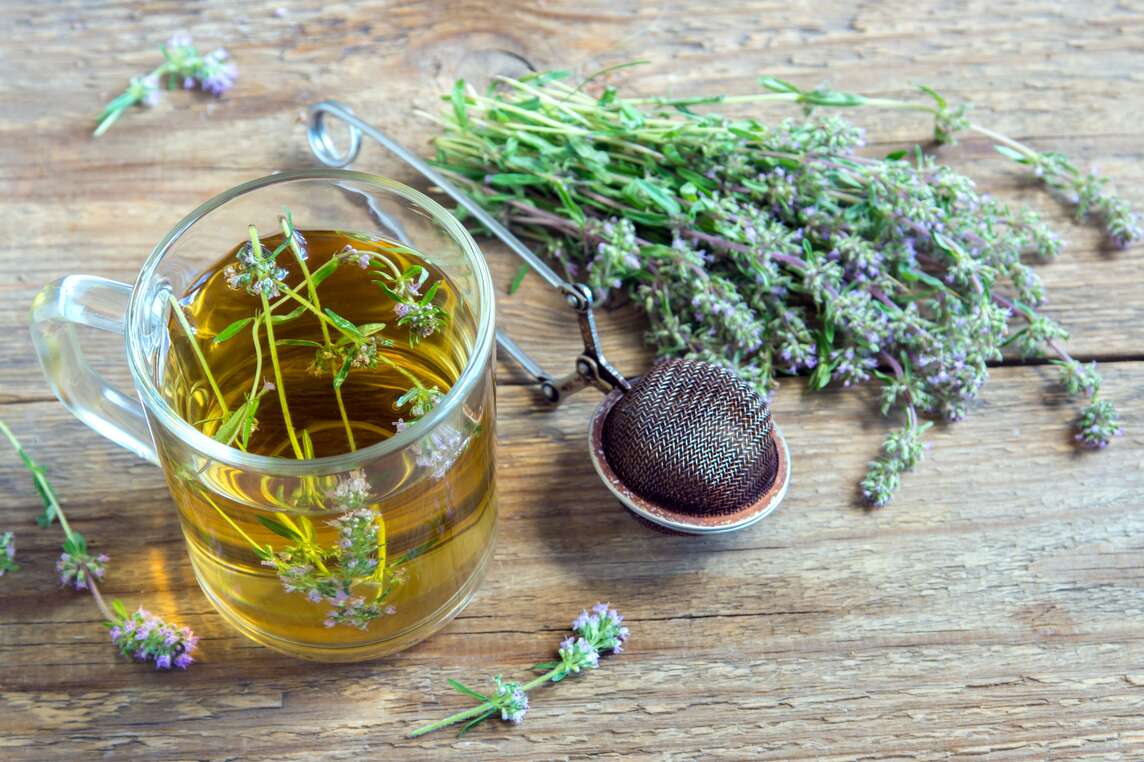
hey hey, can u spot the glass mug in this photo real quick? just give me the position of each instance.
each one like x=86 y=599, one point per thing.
x=430 y=487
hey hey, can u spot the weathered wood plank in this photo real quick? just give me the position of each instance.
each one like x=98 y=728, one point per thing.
x=988 y=606
x=993 y=610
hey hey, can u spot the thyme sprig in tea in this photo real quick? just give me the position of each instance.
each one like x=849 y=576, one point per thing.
x=300 y=340
x=779 y=250
x=344 y=346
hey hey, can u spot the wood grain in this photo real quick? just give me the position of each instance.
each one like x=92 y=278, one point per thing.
x=993 y=611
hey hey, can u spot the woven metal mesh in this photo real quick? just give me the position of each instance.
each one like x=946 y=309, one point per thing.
x=693 y=438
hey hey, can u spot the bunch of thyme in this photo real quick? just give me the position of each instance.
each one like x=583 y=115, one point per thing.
x=599 y=632
x=183 y=65
x=779 y=249
x=139 y=635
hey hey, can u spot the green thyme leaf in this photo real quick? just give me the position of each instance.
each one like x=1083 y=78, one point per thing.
x=778 y=85
x=430 y=294
x=278 y=527
x=343 y=324
x=518 y=279
x=1010 y=153
x=231 y=330
x=343 y=372
x=298 y=343
x=466 y=690
x=513 y=180
x=369 y=329
x=459 y=107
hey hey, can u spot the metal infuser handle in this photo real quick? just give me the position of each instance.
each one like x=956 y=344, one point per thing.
x=592 y=369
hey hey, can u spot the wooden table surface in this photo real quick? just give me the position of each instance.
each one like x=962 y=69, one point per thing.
x=993 y=610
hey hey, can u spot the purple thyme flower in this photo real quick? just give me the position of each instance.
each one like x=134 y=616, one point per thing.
x=355 y=611
x=146 y=637
x=423 y=319
x=603 y=629
x=351 y=492
x=1098 y=424
x=7 y=553
x=150 y=88
x=71 y=568
x=256 y=273
x=179 y=42
x=511 y=699
x=357 y=542
x=217 y=72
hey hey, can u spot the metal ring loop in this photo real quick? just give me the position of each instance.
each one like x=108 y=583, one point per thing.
x=322 y=144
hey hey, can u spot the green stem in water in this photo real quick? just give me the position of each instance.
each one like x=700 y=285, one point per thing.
x=232 y=523
x=279 y=383
x=257 y=366
x=288 y=231
x=311 y=307
x=256 y=248
x=198 y=351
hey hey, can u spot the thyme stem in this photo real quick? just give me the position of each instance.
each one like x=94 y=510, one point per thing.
x=198 y=352
x=288 y=231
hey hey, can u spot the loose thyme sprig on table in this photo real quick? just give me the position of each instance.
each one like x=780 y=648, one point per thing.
x=600 y=632
x=139 y=635
x=183 y=66
x=8 y=554
x=777 y=249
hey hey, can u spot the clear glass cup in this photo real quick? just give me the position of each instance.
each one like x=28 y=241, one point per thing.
x=430 y=487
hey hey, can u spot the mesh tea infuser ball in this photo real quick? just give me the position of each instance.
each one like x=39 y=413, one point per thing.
x=688 y=446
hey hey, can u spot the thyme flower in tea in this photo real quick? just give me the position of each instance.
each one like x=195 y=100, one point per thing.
x=182 y=65
x=141 y=636
x=778 y=249
x=595 y=633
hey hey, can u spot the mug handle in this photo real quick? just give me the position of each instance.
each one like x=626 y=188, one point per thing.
x=99 y=303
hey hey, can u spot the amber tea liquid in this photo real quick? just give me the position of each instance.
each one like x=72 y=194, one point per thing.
x=430 y=512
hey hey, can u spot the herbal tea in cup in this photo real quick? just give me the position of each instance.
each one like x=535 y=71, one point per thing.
x=320 y=397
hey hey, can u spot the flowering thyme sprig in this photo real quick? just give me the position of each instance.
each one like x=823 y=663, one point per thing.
x=779 y=249
x=345 y=346
x=182 y=65
x=336 y=573
x=600 y=632
x=1098 y=424
x=420 y=401
x=412 y=308
x=8 y=554
x=353 y=575
x=141 y=635
x=145 y=637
